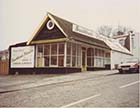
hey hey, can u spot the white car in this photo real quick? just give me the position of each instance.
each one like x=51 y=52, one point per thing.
x=131 y=66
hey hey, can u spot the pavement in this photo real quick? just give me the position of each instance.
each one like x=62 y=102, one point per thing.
x=20 y=82
x=88 y=89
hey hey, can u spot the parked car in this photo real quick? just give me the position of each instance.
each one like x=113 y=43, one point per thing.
x=130 y=66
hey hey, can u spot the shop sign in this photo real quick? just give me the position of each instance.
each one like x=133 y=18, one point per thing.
x=82 y=30
x=22 y=57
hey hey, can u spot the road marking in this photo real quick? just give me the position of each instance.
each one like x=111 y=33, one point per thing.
x=82 y=100
x=129 y=84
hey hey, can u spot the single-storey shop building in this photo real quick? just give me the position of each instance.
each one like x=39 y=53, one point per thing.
x=59 y=46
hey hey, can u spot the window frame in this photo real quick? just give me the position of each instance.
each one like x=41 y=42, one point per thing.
x=90 y=56
x=43 y=56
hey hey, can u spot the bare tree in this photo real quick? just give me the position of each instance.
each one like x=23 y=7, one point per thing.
x=121 y=30
x=110 y=31
x=105 y=30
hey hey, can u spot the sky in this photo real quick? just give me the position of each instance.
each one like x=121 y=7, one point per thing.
x=20 y=18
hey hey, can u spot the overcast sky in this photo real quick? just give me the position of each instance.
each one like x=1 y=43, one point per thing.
x=20 y=18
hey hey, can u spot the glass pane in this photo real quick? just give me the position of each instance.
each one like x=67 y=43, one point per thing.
x=89 y=52
x=61 y=61
x=53 y=49
x=73 y=49
x=68 y=49
x=53 y=60
x=109 y=55
x=40 y=50
x=46 y=49
x=102 y=53
x=78 y=51
x=68 y=59
x=92 y=62
x=105 y=54
x=40 y=62
x=78 y=61
x=61 y=48
x=95 y=52
x=46 y=60
x=89 y=61
x=92 y=52
x=99 y=52
x=73 y=61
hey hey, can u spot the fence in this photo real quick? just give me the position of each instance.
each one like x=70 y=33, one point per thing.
x=4 y=67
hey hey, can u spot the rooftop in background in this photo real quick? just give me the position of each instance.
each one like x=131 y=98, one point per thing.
x=120 y=36
x=4 y=54
x=114 y=44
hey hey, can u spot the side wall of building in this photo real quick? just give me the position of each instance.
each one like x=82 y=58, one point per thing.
x=136 y=46
x=118 y=58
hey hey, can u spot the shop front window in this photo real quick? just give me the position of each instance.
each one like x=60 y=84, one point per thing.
x=107 y=58
x=99 y=58
x=50 y=55
x=73 y=55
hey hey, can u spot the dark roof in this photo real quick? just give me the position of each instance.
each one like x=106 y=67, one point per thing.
x=19 y=44
x=67 y=27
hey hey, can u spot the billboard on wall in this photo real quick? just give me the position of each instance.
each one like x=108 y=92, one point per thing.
x=22 y=57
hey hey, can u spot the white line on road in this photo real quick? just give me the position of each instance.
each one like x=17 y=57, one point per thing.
x=82 y=100
x=129 y=84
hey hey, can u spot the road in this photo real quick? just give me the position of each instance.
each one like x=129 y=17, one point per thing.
x=88 y=89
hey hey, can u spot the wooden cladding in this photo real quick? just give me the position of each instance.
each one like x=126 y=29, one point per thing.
x=4 y=67
x=46 y=34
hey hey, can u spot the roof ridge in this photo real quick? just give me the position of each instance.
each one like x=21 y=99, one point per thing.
x=69 y=21
x=60 y=18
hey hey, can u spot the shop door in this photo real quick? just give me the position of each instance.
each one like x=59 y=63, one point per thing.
x=84 y=60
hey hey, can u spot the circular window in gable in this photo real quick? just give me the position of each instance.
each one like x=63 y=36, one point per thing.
x=50 y=24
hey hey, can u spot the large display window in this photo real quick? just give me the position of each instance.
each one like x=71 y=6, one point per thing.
x=52 y=55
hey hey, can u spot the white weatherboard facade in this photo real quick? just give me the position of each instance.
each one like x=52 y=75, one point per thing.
x=118 y=58
x=118 y=53
x=136 y=46
x=22 y=57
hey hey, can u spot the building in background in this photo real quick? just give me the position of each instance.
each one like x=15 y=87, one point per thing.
x=130 y=41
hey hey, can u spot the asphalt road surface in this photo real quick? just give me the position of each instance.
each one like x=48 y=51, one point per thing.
x=88 y=89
